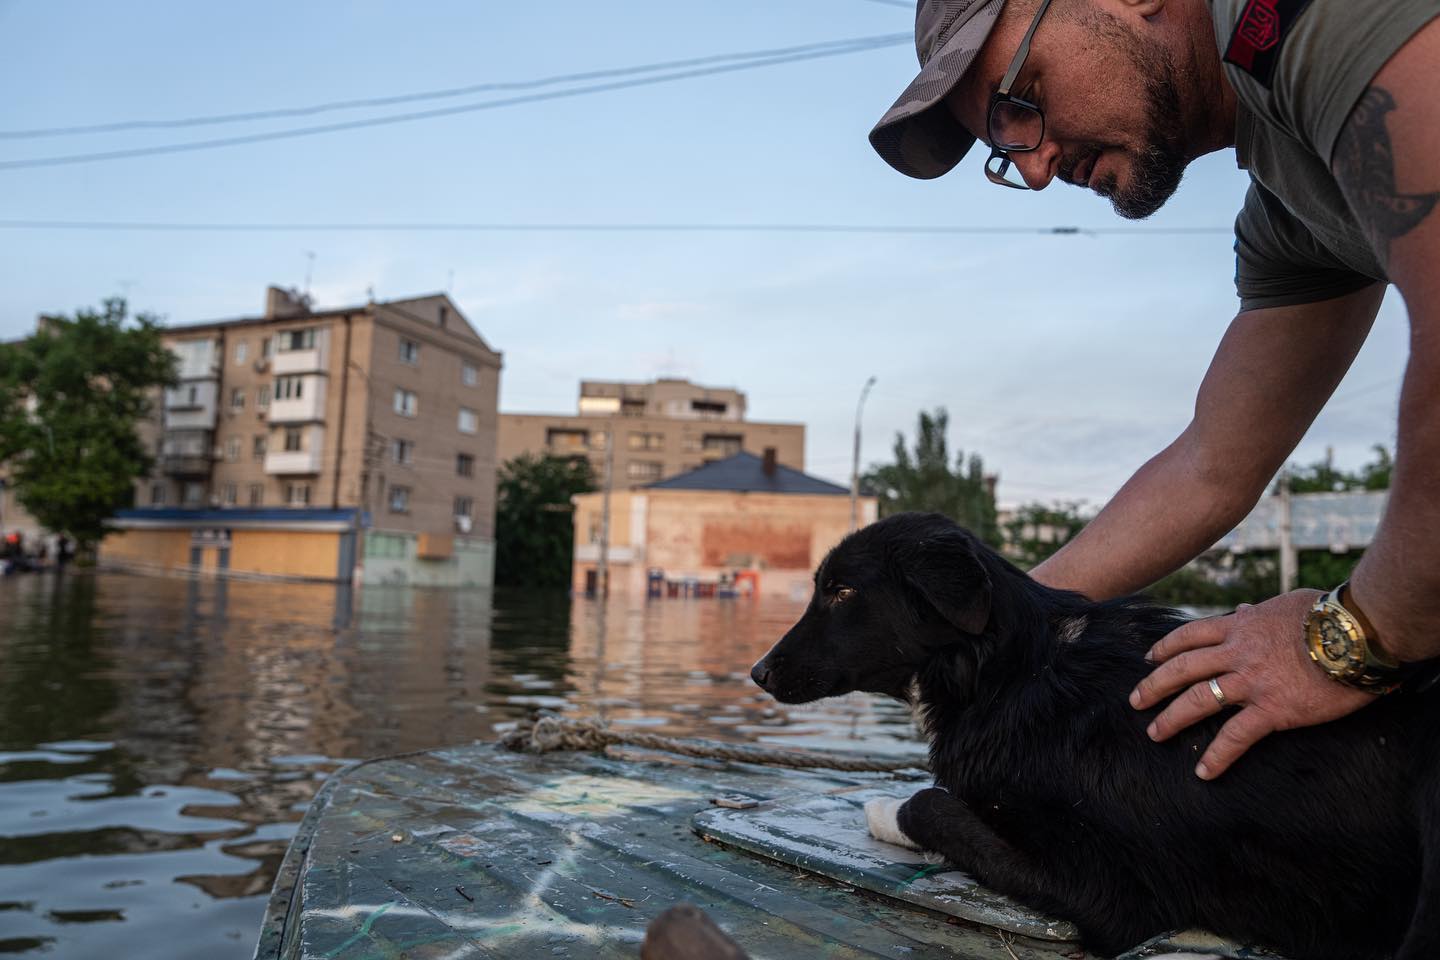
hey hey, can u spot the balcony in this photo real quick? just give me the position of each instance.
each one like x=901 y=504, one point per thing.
x=191 y=405
x=183 y=465
x=306 y=408
x=286 y=462
x=307 y=460
x=314 y=360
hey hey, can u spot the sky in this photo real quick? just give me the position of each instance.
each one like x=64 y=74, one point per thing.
x=1065 y=361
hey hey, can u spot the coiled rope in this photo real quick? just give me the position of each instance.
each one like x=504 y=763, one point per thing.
x=545 y=732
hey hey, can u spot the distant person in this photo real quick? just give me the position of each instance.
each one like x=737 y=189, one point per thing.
x=63 y=550
x=1331 y=108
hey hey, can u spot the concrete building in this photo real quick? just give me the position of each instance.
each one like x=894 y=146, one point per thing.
x=389 y=408
x=745 y=515
x=661 y=429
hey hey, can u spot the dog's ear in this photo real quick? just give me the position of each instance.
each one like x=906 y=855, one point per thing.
x=946 y=571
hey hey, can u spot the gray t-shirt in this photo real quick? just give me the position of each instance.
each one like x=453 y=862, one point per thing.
x=1298 y=68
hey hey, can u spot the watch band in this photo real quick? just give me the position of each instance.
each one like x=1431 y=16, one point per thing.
x=1373 y=650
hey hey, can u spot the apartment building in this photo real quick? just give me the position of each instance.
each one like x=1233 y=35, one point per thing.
x=387 y=407
x=661 y=429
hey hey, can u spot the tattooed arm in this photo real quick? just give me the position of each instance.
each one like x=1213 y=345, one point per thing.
x=1387 y=162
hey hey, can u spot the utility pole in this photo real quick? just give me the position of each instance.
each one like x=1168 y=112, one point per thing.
x=855 y=463
x=602 y=568
x=1288 y=559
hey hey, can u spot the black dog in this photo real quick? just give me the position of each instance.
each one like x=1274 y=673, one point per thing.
x=1322 y=843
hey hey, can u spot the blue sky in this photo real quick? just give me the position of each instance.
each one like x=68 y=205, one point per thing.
x=1065 y=361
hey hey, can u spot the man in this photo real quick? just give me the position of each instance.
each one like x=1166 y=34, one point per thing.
x=1331 y=107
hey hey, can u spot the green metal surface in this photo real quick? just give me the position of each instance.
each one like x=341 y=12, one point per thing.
x=479 y=853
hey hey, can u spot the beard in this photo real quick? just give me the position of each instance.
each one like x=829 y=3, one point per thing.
x=1158 y=167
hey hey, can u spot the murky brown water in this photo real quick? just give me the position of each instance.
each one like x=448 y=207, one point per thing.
x=160 y=739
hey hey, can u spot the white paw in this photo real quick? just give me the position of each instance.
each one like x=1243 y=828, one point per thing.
x=882 y=817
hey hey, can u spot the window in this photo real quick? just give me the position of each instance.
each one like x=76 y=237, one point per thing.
x=262 y=396
x=232 y=494
x=257 y=494
x=257 y=447
x=642 y=470
x=297 y=494
x=194 y=395
x=561 y=441
x=242 y=352
x=469 y=420
x=647 y=441
x=289 y=388
x=690 y=443
x=157 y=495
x=297 y=340
x=469 y=374
x=267 y=347
x=294 y=439
x=194 y=494
x=722 y=444
x=444 y=317
x=464 y=506
x=237 y=398
x=464 y=465
x=399 y=499
x=232 y=450
x=406 y=403
x=708 y=408
x=409 y=352
x=404 y=451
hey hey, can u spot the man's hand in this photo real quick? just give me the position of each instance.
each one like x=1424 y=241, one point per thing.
x=1257 y=654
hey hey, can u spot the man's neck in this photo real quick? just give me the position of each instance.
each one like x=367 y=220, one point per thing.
x=1209 y=98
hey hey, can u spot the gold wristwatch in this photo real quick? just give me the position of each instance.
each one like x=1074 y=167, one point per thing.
x=1342 y=641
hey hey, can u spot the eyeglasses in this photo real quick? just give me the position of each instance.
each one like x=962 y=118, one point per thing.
x=1014 y=125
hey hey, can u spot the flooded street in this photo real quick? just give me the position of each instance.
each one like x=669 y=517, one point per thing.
x=161 y=738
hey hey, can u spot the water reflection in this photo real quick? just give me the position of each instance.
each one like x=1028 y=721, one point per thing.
x=160 y=739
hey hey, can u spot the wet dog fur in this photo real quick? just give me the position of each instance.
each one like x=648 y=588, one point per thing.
x=1322 y=843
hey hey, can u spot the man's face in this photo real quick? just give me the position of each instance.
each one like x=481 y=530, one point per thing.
x=1112 y=113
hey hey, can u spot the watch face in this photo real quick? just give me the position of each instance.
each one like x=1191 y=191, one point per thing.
x=1333 y=644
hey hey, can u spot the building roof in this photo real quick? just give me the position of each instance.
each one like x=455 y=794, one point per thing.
x=745 y=473
x=1318 y=521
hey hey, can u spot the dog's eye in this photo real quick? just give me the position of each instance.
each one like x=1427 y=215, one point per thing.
x=844 y=593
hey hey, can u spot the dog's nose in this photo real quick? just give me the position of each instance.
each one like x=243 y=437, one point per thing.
x=760 y=673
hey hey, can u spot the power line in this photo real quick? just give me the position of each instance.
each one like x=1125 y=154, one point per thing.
x=440 y=227
x=842 y=46
x=860 y=45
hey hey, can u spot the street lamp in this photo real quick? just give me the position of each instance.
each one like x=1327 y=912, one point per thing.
x=855 y=464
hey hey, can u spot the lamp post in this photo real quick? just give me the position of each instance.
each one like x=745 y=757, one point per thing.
x=855 y=463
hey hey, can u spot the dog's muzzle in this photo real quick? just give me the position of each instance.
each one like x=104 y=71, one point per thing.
x=760 y=673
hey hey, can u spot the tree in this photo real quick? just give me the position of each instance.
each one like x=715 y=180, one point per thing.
x=1036 y=530
x=925 y=480
x=534 y=525
x=1322 y=476
x=71 y=395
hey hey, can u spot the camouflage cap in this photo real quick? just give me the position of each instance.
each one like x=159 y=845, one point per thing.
x=918 y=136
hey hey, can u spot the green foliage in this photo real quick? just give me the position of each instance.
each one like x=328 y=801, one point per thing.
x=1323 y=570
x=926 y=481
x=534 y=522
x=71 y=395
x=1036 y=530
x=1220 y=580
x=1323 y=477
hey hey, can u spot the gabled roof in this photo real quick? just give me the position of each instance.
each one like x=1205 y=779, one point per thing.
x=745 y=473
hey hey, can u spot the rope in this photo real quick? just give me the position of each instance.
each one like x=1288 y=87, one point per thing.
x=545 y=732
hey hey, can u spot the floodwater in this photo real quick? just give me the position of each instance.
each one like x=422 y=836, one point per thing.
x=160 y=739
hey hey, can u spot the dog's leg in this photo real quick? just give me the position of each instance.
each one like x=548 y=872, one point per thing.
x=935 y=820
x=881 y=816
